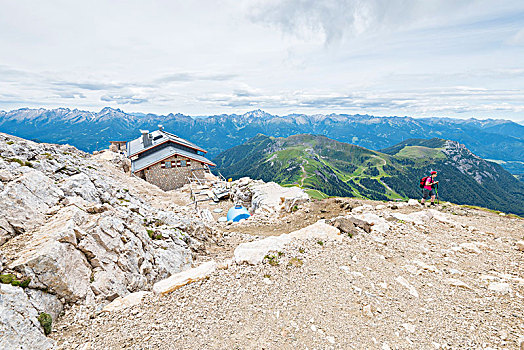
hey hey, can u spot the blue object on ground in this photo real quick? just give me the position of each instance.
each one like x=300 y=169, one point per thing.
x=237 y=213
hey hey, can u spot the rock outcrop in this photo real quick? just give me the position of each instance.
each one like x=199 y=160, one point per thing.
x=78 y=233
x=266 y=198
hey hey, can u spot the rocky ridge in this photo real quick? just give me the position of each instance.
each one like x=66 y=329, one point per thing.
x=79 y=235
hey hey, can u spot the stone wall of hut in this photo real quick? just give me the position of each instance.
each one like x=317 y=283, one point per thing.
x=173 y=172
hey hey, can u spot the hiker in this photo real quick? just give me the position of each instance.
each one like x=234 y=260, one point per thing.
x=428 y=190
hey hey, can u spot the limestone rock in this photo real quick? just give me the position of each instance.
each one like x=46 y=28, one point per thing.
x=348 y=224
x=318 y=230
x=470 y=247
x=19 y=327
x=125 y=302
x=182 y=278
x=255 y=251
x=24 y=202
x=255 y=194
x=520 y=245
x=57 y=266
x=413 y=202
x=81 y=185
x=378 y=223
x=45 y=302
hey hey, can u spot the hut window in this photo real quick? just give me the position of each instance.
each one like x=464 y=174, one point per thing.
x=188 y=162
x=182 y=163
x=168 y=165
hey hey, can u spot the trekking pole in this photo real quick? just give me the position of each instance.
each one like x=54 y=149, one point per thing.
x=438 y=199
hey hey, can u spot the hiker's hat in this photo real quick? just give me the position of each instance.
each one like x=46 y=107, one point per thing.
x=433 y=172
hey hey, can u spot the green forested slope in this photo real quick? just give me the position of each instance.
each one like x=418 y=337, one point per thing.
x=341 y=169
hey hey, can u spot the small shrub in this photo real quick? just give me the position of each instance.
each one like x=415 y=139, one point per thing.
x=320 y=243
x=28 y=164
x=10 y=142
x=267 y=275
x=15 y=283
x=46 y=322
x=12 y=280
x=15 y=160
x=272 y=260
x=150 y=233
x=280 y=254
x=295 y=208
x=301 y=250
x=7 y=279
x=25 y=283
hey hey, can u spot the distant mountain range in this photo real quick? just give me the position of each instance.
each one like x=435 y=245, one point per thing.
x=498 y=140
x=341 y=169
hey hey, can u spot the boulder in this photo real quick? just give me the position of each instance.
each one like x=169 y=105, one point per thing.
x=81 y=185
x=348 y=224
x=180 y=279
x=255 y=194
x=59 y=267
x=19 y=326
x=377 y=223
x=24 y=203
x=520 y=245
x=254 y=252
x=125 y=302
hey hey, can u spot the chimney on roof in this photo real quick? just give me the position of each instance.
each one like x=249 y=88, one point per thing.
x=160 y=127
x=146 y=141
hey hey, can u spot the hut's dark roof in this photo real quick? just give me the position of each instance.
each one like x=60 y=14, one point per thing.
x=157 y=137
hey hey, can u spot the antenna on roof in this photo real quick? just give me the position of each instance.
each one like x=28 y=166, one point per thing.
x=160 y=127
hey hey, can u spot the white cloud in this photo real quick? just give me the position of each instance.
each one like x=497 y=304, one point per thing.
x=358 y=56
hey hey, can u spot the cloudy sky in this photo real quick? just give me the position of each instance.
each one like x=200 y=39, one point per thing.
x=384 y=57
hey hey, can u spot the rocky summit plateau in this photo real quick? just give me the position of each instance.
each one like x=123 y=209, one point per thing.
x=93 y=258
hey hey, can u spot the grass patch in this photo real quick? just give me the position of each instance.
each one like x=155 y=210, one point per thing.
x=46 y=321
x=150 y=233
x=316 y=194
x=12 y=280
x=267 y=275
x=19 y=161
x=301 y=250
x=321 y=243
x=272 y=260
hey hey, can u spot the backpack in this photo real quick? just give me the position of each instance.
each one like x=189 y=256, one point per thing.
x=423 y=181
